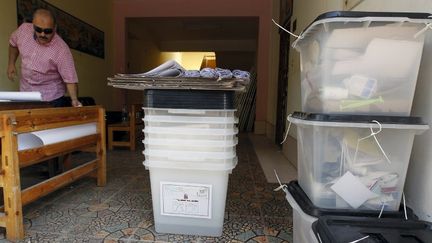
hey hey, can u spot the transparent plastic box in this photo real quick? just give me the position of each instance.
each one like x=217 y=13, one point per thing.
x=190 y=156
x=190 y=122
x=348 y=162
x=361 y=62
x=190 y=134
x=193 y=145
x=188 y=112
x=177 y=145
x=188 y=199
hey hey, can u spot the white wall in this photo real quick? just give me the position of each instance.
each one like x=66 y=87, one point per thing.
x=419 y=180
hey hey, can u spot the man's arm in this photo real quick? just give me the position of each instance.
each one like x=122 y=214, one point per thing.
x=72 y=89
x=13 y=56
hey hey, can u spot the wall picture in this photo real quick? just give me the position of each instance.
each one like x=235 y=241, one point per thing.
x=75 y=32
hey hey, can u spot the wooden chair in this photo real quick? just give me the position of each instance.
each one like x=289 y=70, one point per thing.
x=129 y=126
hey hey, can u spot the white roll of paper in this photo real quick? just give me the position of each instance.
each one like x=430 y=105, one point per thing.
x=20 y=96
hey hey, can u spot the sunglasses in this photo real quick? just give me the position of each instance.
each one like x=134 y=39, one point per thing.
x=40 y=30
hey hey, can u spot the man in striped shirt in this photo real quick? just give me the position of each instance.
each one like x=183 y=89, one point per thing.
x=47 y=64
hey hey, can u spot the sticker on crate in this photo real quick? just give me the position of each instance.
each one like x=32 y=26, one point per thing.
x=186 y=199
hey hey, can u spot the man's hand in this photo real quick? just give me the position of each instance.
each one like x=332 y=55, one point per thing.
x=11 y=72
x=72 y=89
x=76 y=103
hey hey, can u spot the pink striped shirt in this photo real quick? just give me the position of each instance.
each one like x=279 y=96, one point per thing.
x=44 y=68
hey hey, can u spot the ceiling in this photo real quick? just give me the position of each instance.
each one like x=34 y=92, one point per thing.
x=196 y=33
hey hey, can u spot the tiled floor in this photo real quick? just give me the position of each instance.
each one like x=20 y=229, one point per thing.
x=122 y=210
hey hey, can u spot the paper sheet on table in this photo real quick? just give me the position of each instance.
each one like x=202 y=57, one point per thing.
x=20 y=96
x=56 y=135
x=352 y=190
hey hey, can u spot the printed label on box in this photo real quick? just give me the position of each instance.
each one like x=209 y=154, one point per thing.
x=185 y=199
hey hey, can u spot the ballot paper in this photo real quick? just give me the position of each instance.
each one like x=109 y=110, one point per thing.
x=169 y=68
x=352 y=190
x=20 y=96
x=55 y=135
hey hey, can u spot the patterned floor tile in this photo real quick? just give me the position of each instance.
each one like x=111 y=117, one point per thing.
x=90 y=195
x=279 y=229
x=37 y=236
x=239 y=207
x=242 y=229
x=138 y=200
x=139 y=184
x=112 y=225
x=53 y=218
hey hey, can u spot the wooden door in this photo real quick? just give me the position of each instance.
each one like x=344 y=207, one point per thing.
x=284 y=49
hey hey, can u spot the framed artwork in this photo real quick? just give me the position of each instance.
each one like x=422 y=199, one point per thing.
x=76 y=33
x=350 y=4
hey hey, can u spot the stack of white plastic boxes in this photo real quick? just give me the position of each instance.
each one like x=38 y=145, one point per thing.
x=355 y=134
x=190 y=150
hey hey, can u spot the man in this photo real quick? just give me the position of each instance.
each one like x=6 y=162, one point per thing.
x=47 y=65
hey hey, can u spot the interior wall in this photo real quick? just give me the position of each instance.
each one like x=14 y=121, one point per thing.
x=193 y=60
x=8 y=20
x=236 y=60
x=418 y=181
x=92 y=71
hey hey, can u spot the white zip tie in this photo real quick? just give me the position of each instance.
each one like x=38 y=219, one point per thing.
x=428 y=26
x=289 y=32
x=280 y=184
x=376 y=140
x=382 y=210
x=355 y=241
x=373 y=133
x=319 y=238
x=404 y=206
x=287 y=131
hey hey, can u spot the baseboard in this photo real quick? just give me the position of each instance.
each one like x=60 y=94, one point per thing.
x=270 y=131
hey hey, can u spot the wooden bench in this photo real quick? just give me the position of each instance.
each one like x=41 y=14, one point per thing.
x=14 y=122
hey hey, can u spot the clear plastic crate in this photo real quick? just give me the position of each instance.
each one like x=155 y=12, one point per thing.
x=342 y=165
x=191 y=142
x=190 y=156
x=190 y=133
x=190 y=145
x=187 y=199
x=188 y=112
x=361 y=62
x=190 y=122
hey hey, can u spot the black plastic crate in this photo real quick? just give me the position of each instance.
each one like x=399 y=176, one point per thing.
x=339 y=229
x=189 y=99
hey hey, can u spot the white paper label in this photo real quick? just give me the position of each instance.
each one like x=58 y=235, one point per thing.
x=185 y=199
